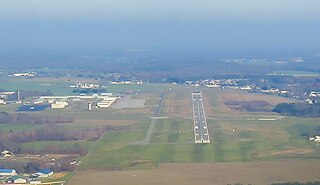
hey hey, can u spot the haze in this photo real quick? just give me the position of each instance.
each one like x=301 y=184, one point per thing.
x=208 y=27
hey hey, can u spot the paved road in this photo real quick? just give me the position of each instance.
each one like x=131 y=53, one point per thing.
x=201 y=134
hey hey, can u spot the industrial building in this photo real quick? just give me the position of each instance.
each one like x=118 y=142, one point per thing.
x=43 y=173
x=104 y=100
x=17 y=180
x=7 y=172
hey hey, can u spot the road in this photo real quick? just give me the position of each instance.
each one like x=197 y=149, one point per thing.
x=156 y=115
x=201 y=134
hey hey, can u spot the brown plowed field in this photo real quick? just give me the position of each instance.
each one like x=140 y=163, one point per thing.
x=207 y=174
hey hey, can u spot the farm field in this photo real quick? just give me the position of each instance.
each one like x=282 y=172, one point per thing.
x=215 y=101
x=261 y=173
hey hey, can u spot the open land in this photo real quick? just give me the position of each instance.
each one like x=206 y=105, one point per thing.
x=240 y=141
x=207 y=174
x=264 y=147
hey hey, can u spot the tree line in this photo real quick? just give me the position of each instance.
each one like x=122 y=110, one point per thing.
x=250 y=106
x=10 y=139
x=32 y=166
x=298 y=109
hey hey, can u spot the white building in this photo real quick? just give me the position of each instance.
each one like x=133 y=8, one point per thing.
x=2 y=101
x=43 y=173
x=17 y=180
x=7 y=153
x=314 y=94
x=59 y=105
x=23 y=75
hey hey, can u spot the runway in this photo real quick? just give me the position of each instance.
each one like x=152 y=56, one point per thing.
x=201 y=134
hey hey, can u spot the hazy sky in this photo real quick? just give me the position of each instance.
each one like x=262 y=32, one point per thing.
x=226 y=26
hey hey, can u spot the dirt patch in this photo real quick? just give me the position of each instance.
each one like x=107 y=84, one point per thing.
x=289 y=151
x=58 y=175
x=245 y=139
x=207 y=174
x=249 y=106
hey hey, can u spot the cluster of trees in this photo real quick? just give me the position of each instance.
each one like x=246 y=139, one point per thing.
x=23 y=118
x=298 y=109
x=250 y=106
x=50 y=132
x=21 y=167
x=10 y=139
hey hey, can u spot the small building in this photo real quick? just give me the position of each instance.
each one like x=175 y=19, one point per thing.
x=17 y=180
x=35 y=182
x=89 y=106
x=44 y=173
x=7 y=153
x=2 y=101
x=59 y=105
x=7 y=172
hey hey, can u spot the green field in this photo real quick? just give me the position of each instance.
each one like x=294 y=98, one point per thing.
x=251 y=141
x=173 y=131
x=57 y=88
x=235 y=137
x=17 y=127
x=39 y=146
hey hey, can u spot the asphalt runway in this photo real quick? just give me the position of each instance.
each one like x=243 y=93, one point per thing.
x=201 y=134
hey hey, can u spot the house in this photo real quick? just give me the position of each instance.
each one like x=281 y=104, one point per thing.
x=43 y=173
x=7 y=172
x=7 y=153
x=17 y=180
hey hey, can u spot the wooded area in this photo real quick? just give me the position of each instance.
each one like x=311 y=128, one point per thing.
x=250 y=106
x=298 y=109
